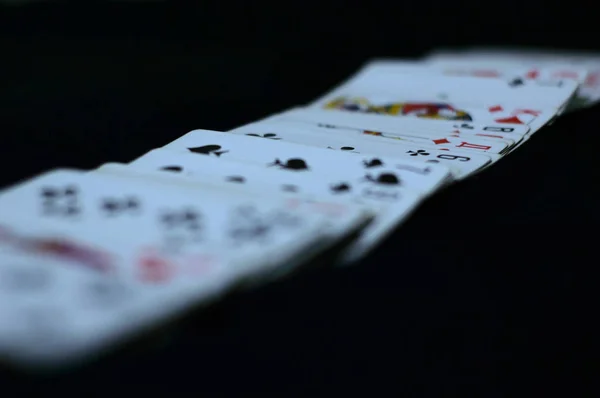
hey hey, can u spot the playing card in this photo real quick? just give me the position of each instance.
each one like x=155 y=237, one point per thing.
x=425 y=124
x=56 y=307
x=389 y=202
x=588 y=92
x=175 y=220
x=498 y=69
x=456 y=140
x=355 y=141
x=59 y=221
x=425 y=127
x=386 y=111
x=317 y=161
x=340 y=217
x=352 y=124
x=411 y=125
x=393 y=85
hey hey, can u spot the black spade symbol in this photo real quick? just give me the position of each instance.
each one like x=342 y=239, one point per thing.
x=373 y=163
x=207 y=150
x=239 y=179
x=176 y=169
x=516 y=82
x=342 y=187
x=384 y=179
x=291 y=164
x=271 y=136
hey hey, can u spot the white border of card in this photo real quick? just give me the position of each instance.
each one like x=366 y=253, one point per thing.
x=91 y=259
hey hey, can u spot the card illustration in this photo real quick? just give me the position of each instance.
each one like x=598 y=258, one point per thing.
x=426 y=110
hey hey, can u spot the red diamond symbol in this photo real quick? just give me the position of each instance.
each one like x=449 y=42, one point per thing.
x=532 y=74
x=441 y=141
x=511 y=120
x=496 y=108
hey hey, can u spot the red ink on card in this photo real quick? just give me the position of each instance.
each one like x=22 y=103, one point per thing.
x=473 y=146
x=441 y=141
x=511 y=120
x=526 y=112
x=154 y=268
x=532 y=74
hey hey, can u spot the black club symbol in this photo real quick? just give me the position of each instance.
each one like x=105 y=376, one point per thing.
x=418 y=152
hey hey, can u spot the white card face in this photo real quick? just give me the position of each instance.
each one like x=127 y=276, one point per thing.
x=398 y=86
x=469 y=143
x=174 y=220
x=461 y=164
x=420 y=124
x=55 y=307
x=353 y=123
x=499 y=69
x=391 y=204
x=379 y=171
x=507 y=68
x=245 y=180
x=422 y=128
x=588 y=92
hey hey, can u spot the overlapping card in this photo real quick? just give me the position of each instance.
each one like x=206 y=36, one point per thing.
x=91 y=259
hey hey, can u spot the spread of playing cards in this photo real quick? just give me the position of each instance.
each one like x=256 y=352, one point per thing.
x=93 y=259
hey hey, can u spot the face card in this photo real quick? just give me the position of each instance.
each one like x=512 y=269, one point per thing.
x=356 y=141
x=390 y=203
x=397 y=85
x=383 y=111
x=316 y=161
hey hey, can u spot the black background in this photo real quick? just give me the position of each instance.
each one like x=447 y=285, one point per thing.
x=485 y=290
